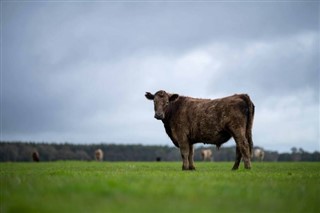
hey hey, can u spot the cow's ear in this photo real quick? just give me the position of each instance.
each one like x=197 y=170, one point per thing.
x=173 y=97
x=149 y=96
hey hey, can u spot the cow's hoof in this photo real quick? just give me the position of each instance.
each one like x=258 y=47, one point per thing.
x=185 y=168
x=234 y=168
x=192 y=168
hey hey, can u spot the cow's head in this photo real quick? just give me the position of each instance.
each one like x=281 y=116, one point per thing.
x=161 y=100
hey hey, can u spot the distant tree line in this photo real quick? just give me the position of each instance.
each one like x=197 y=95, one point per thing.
x=23 y=151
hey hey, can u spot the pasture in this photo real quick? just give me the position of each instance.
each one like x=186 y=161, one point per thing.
x=75 y=186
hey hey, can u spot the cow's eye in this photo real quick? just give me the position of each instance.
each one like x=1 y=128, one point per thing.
x=167 y=102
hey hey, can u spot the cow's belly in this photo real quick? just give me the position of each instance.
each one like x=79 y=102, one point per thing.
x=216 y=138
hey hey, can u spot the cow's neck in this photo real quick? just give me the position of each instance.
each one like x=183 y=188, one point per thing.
x=169 y=118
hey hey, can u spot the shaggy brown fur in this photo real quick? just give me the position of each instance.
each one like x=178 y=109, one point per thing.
x=191 y=120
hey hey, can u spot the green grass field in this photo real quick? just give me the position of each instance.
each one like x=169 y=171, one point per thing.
x=158 y=187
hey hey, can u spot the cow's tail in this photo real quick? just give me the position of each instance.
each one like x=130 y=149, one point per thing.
x=250 y=116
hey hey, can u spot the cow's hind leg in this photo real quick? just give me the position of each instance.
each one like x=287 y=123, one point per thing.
x=238 y=159
x=244 y=147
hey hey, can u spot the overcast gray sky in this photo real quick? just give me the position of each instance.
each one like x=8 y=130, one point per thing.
x=78 y=71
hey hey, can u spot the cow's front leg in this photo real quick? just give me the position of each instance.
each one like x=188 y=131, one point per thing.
x=184 y=150
x=191 y=154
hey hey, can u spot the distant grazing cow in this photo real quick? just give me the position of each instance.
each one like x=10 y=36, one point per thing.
x=99 y=155
x=258 y=154
x=191 y=120
x=206 y=154
x=35 y=156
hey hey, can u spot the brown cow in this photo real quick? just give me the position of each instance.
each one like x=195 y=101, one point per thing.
x=206 y=154
x=35 y=156
x=191 y=120
x=98 y=155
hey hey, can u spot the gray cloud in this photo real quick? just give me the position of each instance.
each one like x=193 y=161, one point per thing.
x=78 y=71
x=274 y=67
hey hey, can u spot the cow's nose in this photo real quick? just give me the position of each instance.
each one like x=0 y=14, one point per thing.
x=158 y=116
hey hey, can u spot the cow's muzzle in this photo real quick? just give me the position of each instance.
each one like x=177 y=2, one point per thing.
x=159 y=116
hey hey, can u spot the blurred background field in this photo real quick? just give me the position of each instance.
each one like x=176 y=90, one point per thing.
x=22 y=151
x=79 y=186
